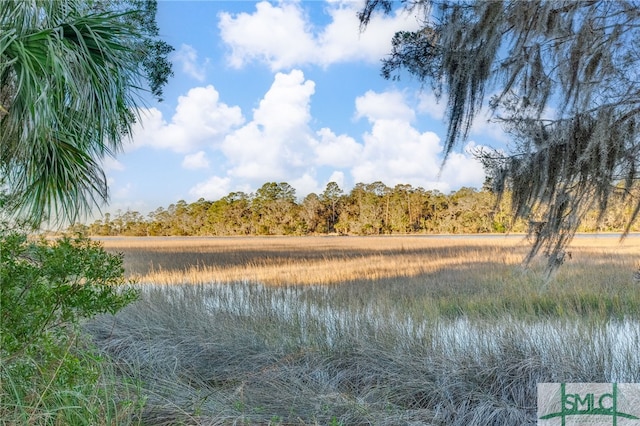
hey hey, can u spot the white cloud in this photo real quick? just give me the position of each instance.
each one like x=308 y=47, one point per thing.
x=187 y=57
x=111 y=164
x=282 y=35
x=336 y=151
x=430 y=105
x=122 y=192
x=279 y=144
x=395 y=152
x=278 y=35
x=383 y=106
x=285 y=107
x=337 y=177
x=304 y=185
x=195 y=161
x=462 y=169
x=200 y=119
x=212 y=189
x=486 y=127
x=276 y=143
x=342 y=41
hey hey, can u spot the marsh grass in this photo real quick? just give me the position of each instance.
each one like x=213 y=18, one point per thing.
x=461 y=337
x=301 y=260
x=443 y=276
x=252 y=354
x=110 y=399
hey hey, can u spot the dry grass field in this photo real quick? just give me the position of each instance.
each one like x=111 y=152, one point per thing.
x=305 y=260
x=367 y=330
x=334 y=260
x=444 y=275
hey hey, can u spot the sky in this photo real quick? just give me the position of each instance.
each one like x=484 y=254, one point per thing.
x=285 y=91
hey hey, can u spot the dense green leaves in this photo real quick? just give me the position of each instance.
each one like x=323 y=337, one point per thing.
x=273 y=210
x=49 y=286
x=71 y=75
x=367 y=209
x=48 y=373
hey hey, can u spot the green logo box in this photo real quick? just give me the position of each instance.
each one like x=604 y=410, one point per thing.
x=593 y=404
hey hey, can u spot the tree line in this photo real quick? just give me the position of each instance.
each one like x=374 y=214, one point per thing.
x=368 y=209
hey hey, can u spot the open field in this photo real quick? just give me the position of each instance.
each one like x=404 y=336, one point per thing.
x=305 y=260
x=382 y=331
x=440 y=275
x=331 y=260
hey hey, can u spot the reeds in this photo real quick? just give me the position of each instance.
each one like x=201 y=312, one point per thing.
x=252 y=354
x=444 y=276
x=110 y=399
x=307 y=260
x=410 y=330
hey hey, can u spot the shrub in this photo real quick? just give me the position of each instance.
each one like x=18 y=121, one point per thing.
x=49 y=373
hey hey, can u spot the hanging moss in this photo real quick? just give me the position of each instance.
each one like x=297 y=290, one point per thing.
x=564 y=79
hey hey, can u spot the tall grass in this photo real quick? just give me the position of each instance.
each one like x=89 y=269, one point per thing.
x=105 y=398
x=460 y=336
x=306 y=260
x=252 y=354
x=440 y=276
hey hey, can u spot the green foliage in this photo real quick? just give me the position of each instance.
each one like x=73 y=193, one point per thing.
x=368 y=209
x=71 y=74
x=47 y=289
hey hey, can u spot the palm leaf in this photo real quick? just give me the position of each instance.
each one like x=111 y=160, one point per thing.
x=68 y=89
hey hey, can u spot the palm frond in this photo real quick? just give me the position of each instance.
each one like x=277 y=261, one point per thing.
x=69 y=83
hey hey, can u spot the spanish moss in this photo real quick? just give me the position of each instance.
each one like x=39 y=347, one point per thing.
x=564 y=83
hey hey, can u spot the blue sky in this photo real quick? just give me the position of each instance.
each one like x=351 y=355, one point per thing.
x=286 y=91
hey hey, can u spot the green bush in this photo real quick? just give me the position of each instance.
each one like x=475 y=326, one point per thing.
x=49 y=373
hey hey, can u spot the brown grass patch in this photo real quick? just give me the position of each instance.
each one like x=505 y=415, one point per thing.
x=333 y=260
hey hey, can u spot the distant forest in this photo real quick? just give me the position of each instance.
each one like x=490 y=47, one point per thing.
x=368 y=209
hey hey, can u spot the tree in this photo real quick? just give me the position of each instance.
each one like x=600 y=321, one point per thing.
x=180 y=220
x=364 y=209
x=159 y=222
x=71 y=76
x=198 y=213
x=331 y=197
x=71 y=72
x=313 y=214
x=231 y=215
x=275 y=209
x=565 y=79
x=400 y=211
